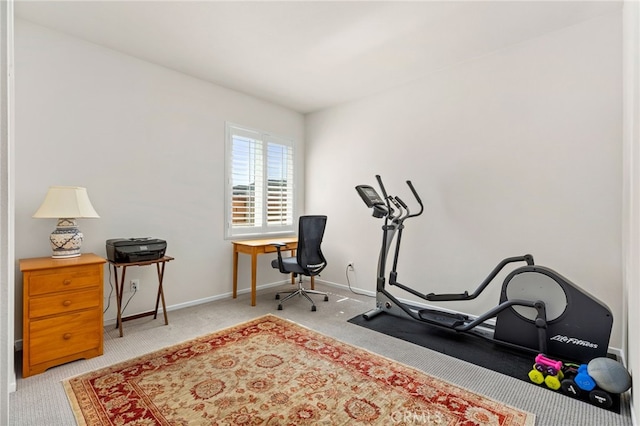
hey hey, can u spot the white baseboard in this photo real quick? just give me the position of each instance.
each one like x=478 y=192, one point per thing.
x=112 y=321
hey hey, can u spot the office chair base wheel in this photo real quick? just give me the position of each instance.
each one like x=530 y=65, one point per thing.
x=326 y=298
x=280 y=307
x=313 y=308
x=277 y=296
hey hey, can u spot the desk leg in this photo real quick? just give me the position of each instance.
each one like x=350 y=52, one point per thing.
x=254 y=269
x=119 y=292
x=161 y=294
x=235 y=271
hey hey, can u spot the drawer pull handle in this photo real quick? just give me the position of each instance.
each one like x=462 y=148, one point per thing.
x=67 y=303
x=66 y=336
x=66 y=282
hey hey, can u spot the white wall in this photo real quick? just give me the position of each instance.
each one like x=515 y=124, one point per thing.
x=515 y=152
x=147 y=142
x=7 y=373
x=631 y=179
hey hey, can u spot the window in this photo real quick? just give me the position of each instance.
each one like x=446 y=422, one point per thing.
x=260 y=183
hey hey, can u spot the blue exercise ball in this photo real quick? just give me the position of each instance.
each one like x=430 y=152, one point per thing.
x=609 y=375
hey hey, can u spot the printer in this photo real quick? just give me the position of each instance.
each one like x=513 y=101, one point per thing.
x=126 y=250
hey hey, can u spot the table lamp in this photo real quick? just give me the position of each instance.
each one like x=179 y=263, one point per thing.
x=66 y=203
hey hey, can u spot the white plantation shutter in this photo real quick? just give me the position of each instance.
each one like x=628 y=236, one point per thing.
x=260 y=183
x=279 y=184
x=246 y=178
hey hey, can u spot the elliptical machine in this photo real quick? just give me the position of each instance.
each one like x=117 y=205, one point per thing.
x=539 y=310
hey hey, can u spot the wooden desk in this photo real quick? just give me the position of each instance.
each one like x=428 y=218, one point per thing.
x=254 y=248
x=160 y=263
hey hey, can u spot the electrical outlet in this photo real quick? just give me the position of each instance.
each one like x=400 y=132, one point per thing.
x=134 y=285
x=350 y=265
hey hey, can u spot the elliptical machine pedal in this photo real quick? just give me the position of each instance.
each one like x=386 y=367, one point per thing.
x=445 y=319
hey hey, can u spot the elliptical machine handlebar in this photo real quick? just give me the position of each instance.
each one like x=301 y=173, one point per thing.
x=415 y=194
x=399 y=206
x=402 y=203
x=384 y=191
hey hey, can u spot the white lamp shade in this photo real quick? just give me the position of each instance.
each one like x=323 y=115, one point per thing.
x=67 y=202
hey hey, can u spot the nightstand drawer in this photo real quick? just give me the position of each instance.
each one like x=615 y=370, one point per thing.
x=63 y=279
x=58 y=337
x=63 y=303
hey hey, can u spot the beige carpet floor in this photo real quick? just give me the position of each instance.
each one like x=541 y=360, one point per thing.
x=40 y=400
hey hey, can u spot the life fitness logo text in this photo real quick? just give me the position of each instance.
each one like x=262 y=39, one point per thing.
x=573 y=341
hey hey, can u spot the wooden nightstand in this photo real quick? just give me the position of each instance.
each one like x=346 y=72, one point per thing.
x=62 y=311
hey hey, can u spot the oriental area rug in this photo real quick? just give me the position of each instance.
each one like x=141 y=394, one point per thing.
x=270 y=371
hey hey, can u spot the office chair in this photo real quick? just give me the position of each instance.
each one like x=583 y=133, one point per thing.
x=309 y=260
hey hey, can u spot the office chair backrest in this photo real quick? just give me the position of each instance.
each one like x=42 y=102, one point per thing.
x=309 y=255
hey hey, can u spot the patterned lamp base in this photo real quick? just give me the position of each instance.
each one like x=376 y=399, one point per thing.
x=66 y=240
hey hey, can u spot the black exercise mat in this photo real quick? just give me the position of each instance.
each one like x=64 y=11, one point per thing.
x=473 y=349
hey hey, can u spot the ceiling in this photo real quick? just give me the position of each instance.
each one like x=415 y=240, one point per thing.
x=308 y=56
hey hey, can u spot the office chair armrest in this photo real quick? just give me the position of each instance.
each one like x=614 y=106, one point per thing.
x=278 y=245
